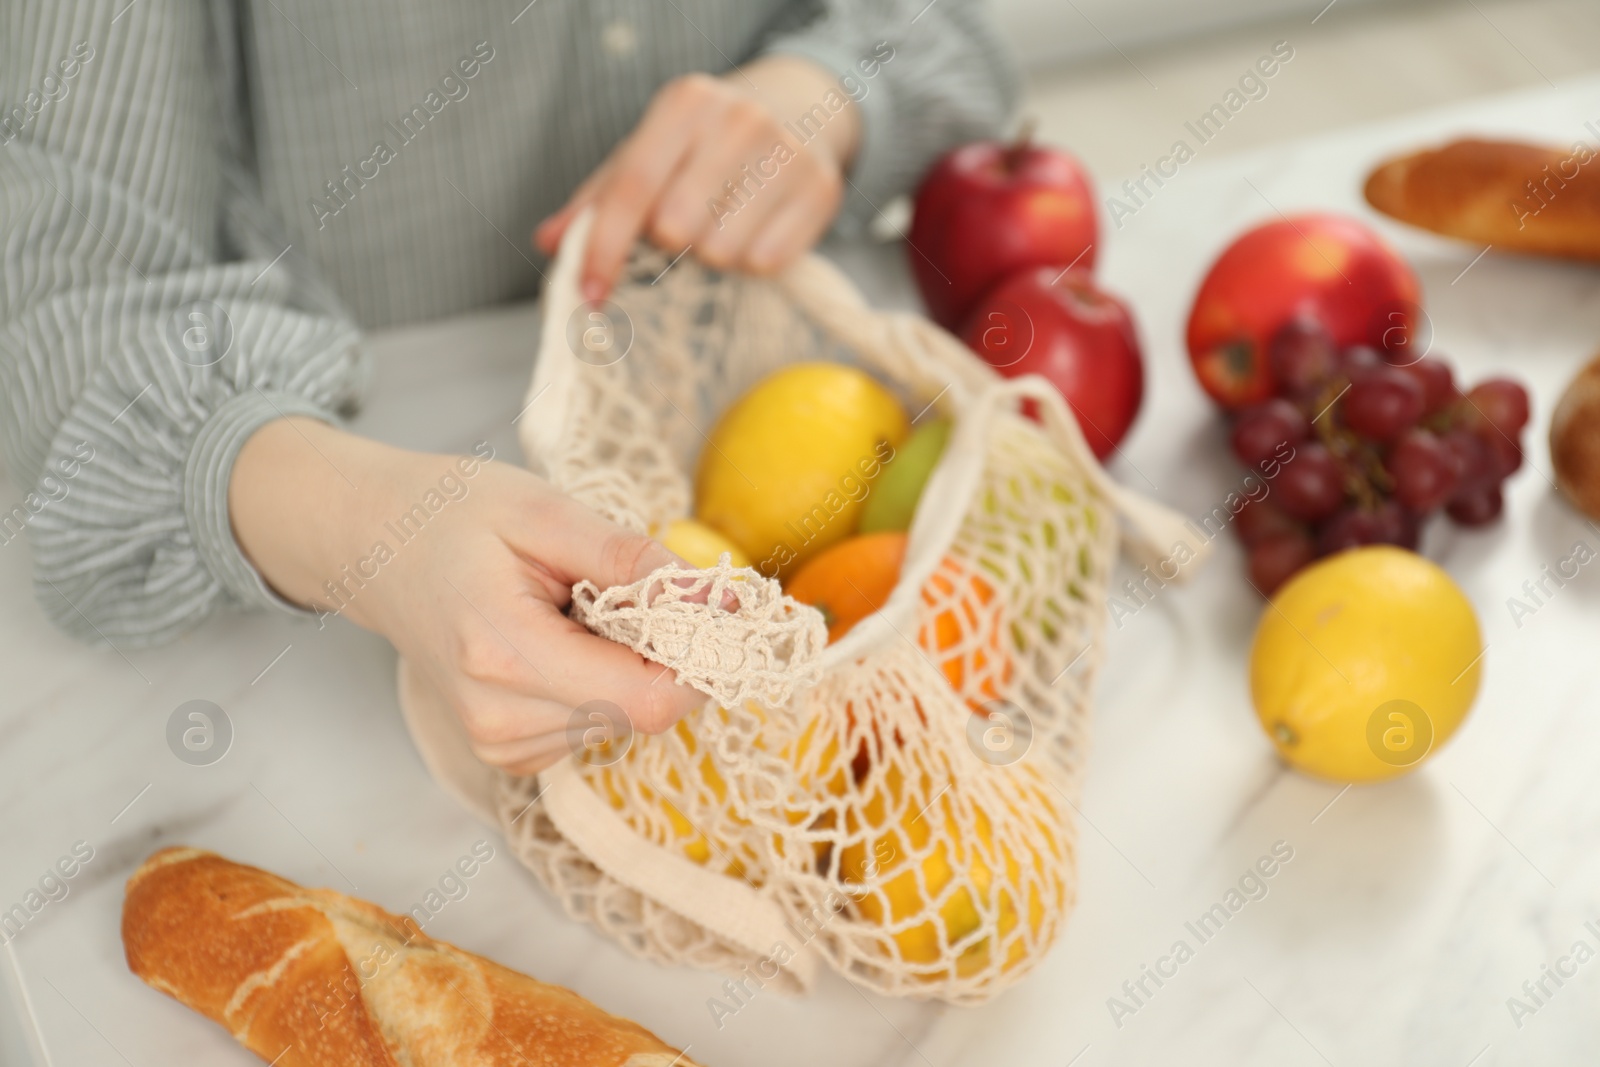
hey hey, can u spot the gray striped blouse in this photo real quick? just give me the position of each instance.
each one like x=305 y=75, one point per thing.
x=202 y=204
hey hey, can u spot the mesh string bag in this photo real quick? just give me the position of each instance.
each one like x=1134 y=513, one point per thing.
x=899 y=805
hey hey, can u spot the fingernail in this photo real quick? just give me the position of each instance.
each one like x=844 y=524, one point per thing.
x=594 y=290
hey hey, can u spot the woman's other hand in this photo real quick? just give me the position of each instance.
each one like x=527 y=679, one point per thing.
x=746 y=169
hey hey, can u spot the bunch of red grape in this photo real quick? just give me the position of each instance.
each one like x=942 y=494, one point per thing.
x=1377 y=442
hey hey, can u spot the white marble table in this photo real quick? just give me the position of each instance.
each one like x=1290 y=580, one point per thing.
x=1408 y=915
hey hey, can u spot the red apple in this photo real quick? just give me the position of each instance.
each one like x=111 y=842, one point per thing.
x=988 y=210
x=1324 y=268
x=1077 y=336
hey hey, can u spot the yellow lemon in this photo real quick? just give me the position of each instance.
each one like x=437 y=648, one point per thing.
x=668 y=797
x=1364 y=664
x=827 y=767
x=899 y=897
x=786 y=470
x=700 y=544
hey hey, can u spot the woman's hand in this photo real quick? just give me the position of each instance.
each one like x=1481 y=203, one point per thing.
x=681 y=177
x=472 y=593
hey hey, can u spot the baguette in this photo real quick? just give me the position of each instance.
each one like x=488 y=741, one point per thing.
x=1575 y=440
x=312 y=978
x=1515 y=197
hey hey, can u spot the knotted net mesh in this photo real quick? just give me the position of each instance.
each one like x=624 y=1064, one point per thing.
x=900 y=803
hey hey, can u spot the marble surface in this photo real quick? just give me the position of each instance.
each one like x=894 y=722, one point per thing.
x=1407 y=916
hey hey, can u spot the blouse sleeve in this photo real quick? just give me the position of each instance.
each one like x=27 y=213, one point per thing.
x=926 y=76
x=151 y=317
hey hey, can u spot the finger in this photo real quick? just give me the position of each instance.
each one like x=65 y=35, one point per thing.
x=520 y=665
x=593 y=732
x=544 y=748
x=793 y=230
x=507 y=724
x=549 y=232
x=644 y=163
x=725 y=247
x=537 y=765
x=741 y=137
x=621 y=207
x=567 y=542
x=564 y=542
x=582 y=667
x=570 y=542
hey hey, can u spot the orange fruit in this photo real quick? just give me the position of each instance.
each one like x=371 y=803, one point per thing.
x=967 y=636
x=850 y=580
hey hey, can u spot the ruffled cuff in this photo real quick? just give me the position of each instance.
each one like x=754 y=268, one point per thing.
x=134 y=545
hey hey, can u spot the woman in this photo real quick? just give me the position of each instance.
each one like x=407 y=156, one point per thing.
x=202 y=205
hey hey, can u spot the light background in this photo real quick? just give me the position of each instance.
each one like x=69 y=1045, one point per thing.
x=1118 y=77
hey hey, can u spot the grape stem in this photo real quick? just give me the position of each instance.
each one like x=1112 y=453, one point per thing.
x=1361 y=466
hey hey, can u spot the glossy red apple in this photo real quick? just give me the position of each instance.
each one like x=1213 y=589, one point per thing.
x=986 y=211
x=1328 y=269
x=1079 y=337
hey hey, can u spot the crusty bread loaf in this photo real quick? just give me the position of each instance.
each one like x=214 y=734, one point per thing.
x=1575 y=440
x=1516 y=197
x=312 y=978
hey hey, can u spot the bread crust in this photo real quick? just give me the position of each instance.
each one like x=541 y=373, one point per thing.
x=1575 y=440
x=1516 y=197
x=313 y=978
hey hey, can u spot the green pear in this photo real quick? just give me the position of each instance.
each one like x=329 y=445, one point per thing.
x=895 y=492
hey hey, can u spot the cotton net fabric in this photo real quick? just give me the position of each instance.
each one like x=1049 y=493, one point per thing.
x=898 y=806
